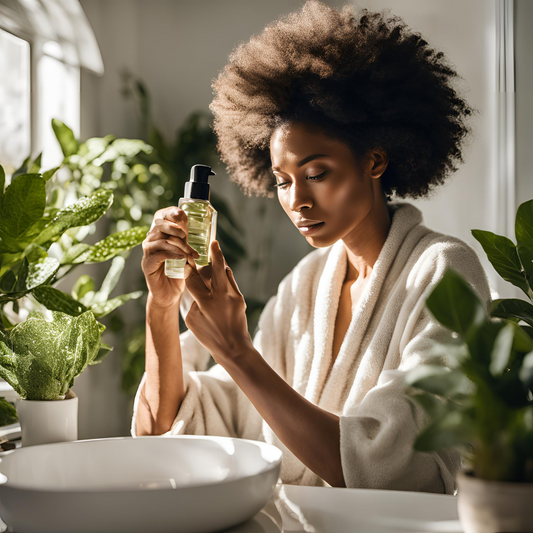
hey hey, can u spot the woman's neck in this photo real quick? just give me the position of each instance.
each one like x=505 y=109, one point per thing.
x=363 y=248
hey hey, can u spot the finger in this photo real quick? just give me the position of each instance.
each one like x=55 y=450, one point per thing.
x=232 y=281
x=152 y=247
x=170 y=228
x=155 y=235
x=195 y=283
x=206 y=271
x=219 y=280
x=152 y=263
x=175 y=241
x=168 y=212
x=173 y=212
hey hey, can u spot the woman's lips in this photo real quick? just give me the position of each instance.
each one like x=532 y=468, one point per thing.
x=309 y=230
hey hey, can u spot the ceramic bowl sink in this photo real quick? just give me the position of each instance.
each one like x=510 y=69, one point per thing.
x=173 y=484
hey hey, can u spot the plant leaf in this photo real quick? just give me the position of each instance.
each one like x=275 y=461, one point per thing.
x=102 y=354
x=8 y=414
x=524 y=238
x=2 y=187
x=501 y=350
x=77 y=254
x=24 y=203
x=452 y=429
x=83 y=285
x=432 y=404
x=528 y=330
x=47 y=356
x=14 y=280
x=455 y=305
x=103 y=309
x=82 y=213
x=526 y=372
x=65 y=137
x=503 y=255
x=116 y=243
x=56 y=300
x=50 y=173
x=36 y=165
x=23 y=169
x=41 y=272
x=439 y=380
x=26 y=374
x=512 y=307
x=111 y=279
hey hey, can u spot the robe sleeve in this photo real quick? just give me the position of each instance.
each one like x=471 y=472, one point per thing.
x=377 y=435
x=213 y=403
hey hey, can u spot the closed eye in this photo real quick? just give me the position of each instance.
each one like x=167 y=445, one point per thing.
x=281 y=185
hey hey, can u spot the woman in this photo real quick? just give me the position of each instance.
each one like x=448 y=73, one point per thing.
x=335 y=112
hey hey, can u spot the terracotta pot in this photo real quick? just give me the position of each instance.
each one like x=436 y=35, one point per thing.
x=42 y=422
x=493 y=506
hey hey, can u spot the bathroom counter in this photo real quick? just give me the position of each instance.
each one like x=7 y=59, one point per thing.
x=326 y=510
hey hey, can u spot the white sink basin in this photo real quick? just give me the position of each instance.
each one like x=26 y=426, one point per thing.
x=173 y=484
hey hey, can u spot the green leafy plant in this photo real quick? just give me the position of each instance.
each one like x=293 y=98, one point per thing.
x=481 y=402
x=41 y=358
x=28 y=230
x=39 y=245
x=8 y=414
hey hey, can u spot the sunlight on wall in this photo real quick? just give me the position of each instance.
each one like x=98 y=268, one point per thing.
x=15 y=131
x=59 y=97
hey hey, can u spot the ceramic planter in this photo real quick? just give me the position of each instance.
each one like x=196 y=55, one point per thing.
x=493 y=506
x=43 y=422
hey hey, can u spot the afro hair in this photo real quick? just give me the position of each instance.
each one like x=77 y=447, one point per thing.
x=362 y=78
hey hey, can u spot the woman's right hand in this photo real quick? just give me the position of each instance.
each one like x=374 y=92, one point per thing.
x=167 y=239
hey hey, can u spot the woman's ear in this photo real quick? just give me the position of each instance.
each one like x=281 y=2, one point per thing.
x=377 y=161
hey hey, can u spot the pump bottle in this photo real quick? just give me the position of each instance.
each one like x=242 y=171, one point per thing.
x=202 y=218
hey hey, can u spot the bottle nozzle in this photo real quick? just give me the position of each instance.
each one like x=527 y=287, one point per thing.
x=198 y=186
x=201 y=173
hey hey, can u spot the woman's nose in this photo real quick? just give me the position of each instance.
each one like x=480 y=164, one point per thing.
x=299 y=198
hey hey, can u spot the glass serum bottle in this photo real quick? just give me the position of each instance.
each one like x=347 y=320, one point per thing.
x=202 y=219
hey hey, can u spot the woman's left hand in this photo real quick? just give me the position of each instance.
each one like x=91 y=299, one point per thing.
x=217 y=315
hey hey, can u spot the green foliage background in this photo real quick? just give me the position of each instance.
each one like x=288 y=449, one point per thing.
x=40 y=243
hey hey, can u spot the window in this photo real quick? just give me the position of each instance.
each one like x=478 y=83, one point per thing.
x=15 y=127
x=43 y=45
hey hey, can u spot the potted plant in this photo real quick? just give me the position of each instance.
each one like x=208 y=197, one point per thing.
x=40 y=359
x=481 y=401
x=39 y=245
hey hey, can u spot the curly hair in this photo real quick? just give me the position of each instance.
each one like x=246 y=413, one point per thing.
x=365 y=79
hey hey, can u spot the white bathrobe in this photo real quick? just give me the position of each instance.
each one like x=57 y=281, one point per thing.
x=391 y=331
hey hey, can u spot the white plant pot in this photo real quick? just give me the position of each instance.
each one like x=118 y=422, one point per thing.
x=43 y=422
x=492 y=506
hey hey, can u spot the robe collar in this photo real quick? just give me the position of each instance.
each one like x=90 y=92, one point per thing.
x=404 y=216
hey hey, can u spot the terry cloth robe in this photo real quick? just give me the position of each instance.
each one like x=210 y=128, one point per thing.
x=391 y=331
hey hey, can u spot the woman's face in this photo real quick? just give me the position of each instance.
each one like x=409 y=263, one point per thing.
x=323 y=182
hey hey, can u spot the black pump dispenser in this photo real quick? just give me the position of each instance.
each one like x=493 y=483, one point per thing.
x=198 y=188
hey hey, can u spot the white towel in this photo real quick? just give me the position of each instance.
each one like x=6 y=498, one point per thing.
x=391 y=331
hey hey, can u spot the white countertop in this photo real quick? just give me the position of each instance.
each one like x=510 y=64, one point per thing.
x=334 y=510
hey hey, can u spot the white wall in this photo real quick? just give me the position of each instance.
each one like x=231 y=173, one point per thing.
x=178 y=47
x=524 y=100
x=465 y=31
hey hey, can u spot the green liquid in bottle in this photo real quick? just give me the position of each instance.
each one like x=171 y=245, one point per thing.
x=200 y=215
